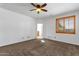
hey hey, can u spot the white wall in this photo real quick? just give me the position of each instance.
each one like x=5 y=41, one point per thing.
x=15 y=27
x=50 y=29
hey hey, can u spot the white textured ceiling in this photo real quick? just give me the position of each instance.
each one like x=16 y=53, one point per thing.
x=53 y=8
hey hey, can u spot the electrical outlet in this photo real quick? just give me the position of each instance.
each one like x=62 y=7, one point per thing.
x=22 y=37
x=55 y=37
x=28 y=36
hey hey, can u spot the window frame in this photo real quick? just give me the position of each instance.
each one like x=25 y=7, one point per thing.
x=64 y=18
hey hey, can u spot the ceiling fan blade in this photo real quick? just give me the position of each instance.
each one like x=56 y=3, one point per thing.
x=44 y=10
x=33 y=4
x=32 y=9
x=43 y=5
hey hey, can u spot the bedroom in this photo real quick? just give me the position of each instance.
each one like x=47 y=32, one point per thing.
x=21 y=32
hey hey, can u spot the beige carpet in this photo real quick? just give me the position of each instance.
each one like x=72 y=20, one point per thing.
x=36 y=48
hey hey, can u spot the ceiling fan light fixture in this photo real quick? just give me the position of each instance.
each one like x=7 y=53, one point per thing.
x=39 y=8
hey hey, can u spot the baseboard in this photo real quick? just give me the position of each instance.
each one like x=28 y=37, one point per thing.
x=62 y=41
x=15 y=43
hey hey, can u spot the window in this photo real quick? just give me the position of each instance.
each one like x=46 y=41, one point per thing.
x=65 y=25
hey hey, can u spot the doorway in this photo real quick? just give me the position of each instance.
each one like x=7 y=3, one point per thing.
x=39 y=31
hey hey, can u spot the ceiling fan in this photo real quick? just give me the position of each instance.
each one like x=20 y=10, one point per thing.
x=39 y=8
